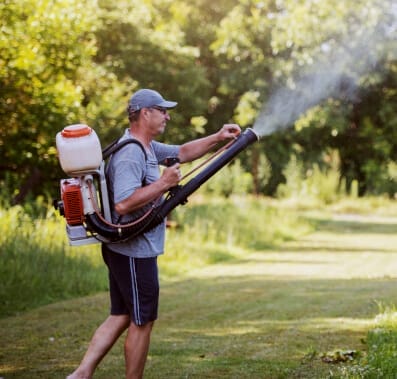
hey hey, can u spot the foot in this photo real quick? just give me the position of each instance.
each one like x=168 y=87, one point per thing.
x=76 y=375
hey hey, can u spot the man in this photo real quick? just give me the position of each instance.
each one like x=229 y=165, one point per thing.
x=135 y=181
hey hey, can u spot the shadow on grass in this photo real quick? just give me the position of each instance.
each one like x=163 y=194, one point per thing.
x=334 y=244
x=224 y=327
x=354 y=226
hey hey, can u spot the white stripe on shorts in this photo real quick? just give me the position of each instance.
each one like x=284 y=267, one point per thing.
x=135 y=293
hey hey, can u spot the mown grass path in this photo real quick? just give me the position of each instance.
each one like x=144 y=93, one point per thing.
x=265 y=314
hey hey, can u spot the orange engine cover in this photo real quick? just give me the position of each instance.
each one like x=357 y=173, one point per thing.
x=72 y=201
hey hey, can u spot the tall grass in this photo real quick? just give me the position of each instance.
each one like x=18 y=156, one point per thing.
x=315 y=187
x=38 y=267
x=212 y=230
x=382 y=344
x=380 y=359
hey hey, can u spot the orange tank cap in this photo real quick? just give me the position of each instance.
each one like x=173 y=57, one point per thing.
x=75 y=131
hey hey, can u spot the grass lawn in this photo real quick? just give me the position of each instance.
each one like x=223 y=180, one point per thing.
x=262 y=314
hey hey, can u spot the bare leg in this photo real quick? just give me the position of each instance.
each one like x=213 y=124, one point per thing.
x=136 y=349
x=103 y=339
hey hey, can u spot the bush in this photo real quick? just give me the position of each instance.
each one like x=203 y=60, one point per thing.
x=314 y=186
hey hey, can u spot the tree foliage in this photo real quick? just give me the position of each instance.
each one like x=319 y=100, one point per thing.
x=67 y=61
x=44 y=45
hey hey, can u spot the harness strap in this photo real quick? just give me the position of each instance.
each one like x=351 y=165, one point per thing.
x=116 y=146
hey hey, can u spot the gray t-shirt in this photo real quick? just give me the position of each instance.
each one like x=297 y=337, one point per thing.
x=128 y=170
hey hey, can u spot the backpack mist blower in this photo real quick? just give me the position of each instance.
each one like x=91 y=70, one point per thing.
x=84 y=195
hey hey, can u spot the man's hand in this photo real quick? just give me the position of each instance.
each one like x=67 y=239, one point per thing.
x=229 y=131
x=171 y=176
x=197 y=148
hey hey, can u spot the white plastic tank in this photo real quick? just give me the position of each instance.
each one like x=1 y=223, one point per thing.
x=79 y=149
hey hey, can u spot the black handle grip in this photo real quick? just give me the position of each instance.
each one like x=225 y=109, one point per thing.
x=170 y=161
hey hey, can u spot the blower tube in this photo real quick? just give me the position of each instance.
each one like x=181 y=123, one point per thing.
x=176 y=197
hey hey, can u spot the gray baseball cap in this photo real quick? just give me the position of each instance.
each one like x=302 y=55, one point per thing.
x=146 y=98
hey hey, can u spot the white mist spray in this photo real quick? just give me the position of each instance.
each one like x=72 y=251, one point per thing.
x=337 y=73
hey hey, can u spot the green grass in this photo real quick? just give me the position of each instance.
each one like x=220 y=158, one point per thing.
x=379 y=361
x=38 y=267
x=382 y=344
x=236 y=308
x=218 y=230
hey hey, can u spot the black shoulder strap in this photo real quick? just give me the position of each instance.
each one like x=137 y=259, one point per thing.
x=116 y=146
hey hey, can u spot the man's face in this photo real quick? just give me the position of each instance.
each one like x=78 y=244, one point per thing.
x=158 y=119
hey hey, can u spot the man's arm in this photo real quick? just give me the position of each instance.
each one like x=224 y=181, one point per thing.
x=172 y=175
x=197 y=148
x=144 y=195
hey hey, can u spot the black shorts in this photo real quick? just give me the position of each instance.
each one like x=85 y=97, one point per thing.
x=133 y=286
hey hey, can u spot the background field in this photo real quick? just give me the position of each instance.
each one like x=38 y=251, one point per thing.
x=253 y=312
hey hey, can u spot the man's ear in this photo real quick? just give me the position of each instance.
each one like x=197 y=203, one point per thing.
x=145 y=112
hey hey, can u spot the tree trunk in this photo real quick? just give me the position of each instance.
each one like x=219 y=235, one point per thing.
x=29 y=184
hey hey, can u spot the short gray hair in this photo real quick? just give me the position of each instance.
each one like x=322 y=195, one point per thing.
x=133 y=115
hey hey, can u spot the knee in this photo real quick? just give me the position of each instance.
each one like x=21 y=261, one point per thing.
x=138 y=335
x=122 y=322
x=145 y=328
x=140 y=331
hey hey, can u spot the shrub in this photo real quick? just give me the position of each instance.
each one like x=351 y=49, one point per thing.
x=315 y=186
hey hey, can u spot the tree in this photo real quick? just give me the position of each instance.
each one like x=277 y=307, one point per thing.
x=368 y=144
x=44 y=47
x=356 y=43
x=146 y=42
x=318 y=51
x=63 y=62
